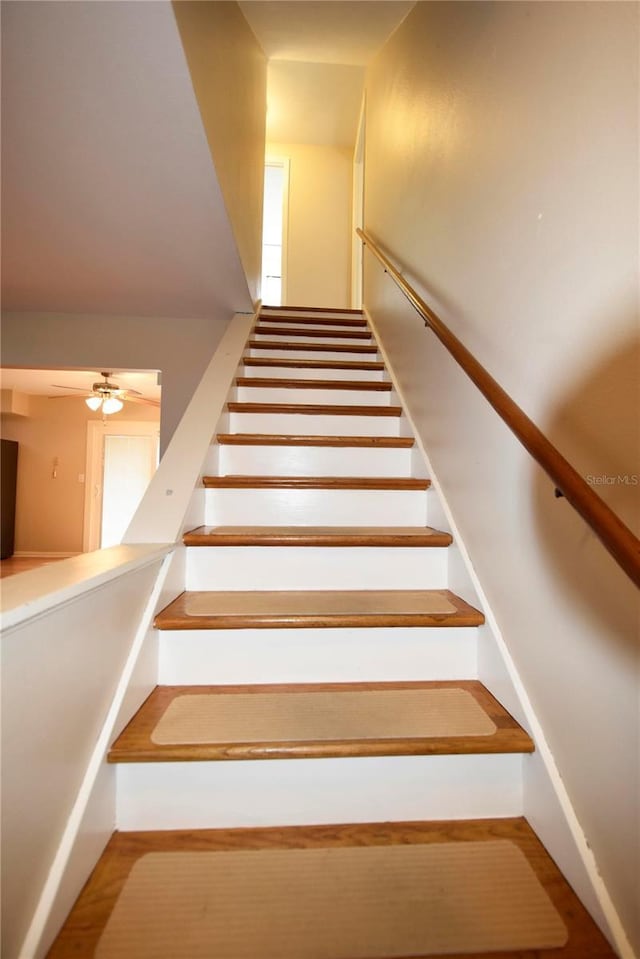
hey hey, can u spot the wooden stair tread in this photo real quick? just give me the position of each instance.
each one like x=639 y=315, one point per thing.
x=83 y=928
x=312 y=309
x=400 y=710
x=315 y=482
x=304 y=332
x=286 y=383
x=283 y=439
x=314 y=347
x=316 y=536
x=200 y=609
x=357 y=321
x=297 y=364
x=314 y=409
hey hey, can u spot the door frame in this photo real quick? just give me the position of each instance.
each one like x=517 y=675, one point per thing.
x=357 y=213
x=94 y=470
x=285 y=163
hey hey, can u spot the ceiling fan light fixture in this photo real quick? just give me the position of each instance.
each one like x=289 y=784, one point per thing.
x=112 y=405
x=93 y=402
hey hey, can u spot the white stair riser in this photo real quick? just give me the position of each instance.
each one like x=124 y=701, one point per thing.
x=317 y=338
x=301 y=353
x=208 y=795
x=323 y=424
x=316 y=567
x=314 y=461
x=327 y=507
x=306 y=373
x=272 y=394
x=345 y=655
x=299 y=327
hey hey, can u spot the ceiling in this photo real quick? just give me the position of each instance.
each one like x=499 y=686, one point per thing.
x=313 y=102
x=324 y=31
x=318 y=51
x=40 y=382
x=110 y=199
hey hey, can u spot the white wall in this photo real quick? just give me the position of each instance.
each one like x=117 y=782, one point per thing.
x=179 y=347
x=229 y=75
x=318 y=266
x=501 y=173
x=51 y=721
x=110 y=201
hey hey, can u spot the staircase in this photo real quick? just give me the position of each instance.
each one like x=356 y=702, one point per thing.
x=319 y=773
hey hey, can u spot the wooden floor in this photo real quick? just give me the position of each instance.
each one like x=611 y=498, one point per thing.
x=81 y=932
x=22 y=564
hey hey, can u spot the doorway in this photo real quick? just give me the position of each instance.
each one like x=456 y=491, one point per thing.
x=121 y=459
x=357 y=256
x=274 y=231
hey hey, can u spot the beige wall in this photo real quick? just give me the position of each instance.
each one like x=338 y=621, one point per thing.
x=229 y=73
x=318 y=267
x=50 y=512
x=502 y=174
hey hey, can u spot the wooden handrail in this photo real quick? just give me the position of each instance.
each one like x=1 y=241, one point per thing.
x=617 y=538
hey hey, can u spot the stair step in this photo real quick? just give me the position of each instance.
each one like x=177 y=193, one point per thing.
x=395 y=536
x=282 y=439
x=315 y=482
x=202 y=723
x=330 y=559
x=314 y=409
x=284 y=383
x=312 y=347
x=298 y=364
x=312 y=332
x=357 y=321
x=293 y=455
x=204 y=609
x=97 y=918
x=311 y=419
x=311 y=309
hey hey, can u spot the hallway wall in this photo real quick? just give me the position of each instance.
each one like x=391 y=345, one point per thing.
x=319 y=248
x=502 y=175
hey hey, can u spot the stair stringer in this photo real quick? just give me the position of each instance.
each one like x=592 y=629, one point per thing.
x=547 y=804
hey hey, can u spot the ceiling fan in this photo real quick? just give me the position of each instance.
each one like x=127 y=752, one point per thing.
x=107 y=396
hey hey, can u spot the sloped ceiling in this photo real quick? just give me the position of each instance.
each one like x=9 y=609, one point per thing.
x=318 y=50
x=313 y=102
x=110 y=199
x=324 y=31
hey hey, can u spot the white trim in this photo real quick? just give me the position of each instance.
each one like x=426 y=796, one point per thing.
x=24 y=597
x=33 y=945
x=587 y=858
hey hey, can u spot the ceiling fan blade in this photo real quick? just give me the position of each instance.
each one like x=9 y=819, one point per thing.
x=76 y=389
x=142 y=401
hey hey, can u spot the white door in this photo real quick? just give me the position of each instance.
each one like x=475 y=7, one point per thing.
x=121 y=459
